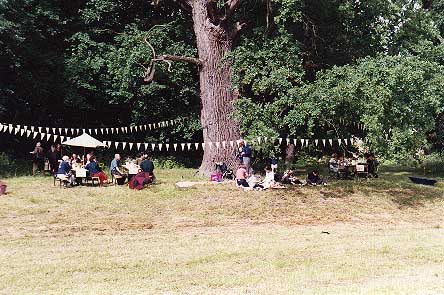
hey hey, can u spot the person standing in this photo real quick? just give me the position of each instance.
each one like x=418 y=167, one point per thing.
x=246 y=155
x=38 y=161
x=53 y=158
x=274 y=164
x=59 y=152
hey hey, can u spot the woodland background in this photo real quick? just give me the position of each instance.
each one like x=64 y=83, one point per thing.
x=308 y=69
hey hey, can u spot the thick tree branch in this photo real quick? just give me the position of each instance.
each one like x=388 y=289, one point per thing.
x=213 y=12
x=230 y=8
x=168 y=57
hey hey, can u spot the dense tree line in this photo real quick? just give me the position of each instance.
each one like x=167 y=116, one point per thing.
x=298 y=68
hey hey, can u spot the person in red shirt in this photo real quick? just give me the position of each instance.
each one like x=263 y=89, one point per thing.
x=241 y=176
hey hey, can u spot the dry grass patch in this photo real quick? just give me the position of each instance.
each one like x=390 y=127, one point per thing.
x=381 y=236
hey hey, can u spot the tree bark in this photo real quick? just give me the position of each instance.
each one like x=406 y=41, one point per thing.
x=217 y=95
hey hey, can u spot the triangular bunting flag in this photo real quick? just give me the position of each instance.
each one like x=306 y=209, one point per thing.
x=175 y=146
x=160 y=146
x=189 y=146
x=130 y=145
x=167 y=146
x=316 y=142
x=183 y=146
x=116 y=144
x=123 y=145
x=196 y=146
x=138 y=146
x=153 y=146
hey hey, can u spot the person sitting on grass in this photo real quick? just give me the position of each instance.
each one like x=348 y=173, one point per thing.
x=241 y=176
x=373 y=164
x=290 y=178
x=313 y=178
x=268 y=181
x=95 y=171
x=148 y=166
x=65 y=172
x=333 y=163
x=115 y=170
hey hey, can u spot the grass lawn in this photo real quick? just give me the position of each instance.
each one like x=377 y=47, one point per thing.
x=383 y=236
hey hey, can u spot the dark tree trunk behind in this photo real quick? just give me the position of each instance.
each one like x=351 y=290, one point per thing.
x=216 y=91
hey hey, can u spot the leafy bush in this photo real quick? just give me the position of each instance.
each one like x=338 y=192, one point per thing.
x=10 y=167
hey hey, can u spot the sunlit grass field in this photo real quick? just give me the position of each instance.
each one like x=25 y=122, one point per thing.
x=382 y=236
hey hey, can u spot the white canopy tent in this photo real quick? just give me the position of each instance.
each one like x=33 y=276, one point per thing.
x=86 y=141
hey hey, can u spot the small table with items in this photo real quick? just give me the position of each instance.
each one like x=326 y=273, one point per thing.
x=132 y=168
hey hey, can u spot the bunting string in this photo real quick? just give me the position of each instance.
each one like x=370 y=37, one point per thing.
x=186 y=146
x=103 y=131
x=123 y=129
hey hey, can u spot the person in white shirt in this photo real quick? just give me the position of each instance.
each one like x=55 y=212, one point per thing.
x=269 y=178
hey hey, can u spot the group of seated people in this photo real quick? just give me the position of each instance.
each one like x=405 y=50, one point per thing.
x=344 y=168
x=273 y=180
x=341 y=167
x=66 y=171
x=143 y=166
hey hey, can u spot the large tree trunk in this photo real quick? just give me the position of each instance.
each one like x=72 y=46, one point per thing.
x=216 y=91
